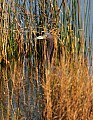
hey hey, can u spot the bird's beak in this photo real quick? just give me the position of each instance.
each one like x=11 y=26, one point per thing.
x=41 y=37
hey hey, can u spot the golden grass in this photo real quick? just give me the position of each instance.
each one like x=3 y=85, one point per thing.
x=69 y=92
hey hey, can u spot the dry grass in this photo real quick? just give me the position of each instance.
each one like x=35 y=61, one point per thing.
x=68 y=92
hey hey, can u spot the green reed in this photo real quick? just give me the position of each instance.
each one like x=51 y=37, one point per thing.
x=21 y=21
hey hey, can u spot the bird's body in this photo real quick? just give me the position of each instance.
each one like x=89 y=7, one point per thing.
x=50 y=44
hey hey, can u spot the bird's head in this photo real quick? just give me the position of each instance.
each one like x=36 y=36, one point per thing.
x=42 y=37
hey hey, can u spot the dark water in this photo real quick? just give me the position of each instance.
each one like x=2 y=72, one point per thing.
x=21 y=90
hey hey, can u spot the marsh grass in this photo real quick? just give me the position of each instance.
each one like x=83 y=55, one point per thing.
x=31 y=88
x=20 y=22
x=68 y=92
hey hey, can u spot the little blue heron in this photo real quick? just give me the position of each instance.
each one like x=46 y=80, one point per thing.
x=50 y=44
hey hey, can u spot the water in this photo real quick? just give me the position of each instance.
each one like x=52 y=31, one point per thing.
x=21 y=91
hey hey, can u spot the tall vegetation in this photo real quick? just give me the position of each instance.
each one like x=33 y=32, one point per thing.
x=20 y=21
x=60 y=89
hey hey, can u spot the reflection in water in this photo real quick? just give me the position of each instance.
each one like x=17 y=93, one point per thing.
x=21 y=90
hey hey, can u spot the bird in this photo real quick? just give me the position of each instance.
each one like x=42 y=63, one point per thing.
x=50 y=43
